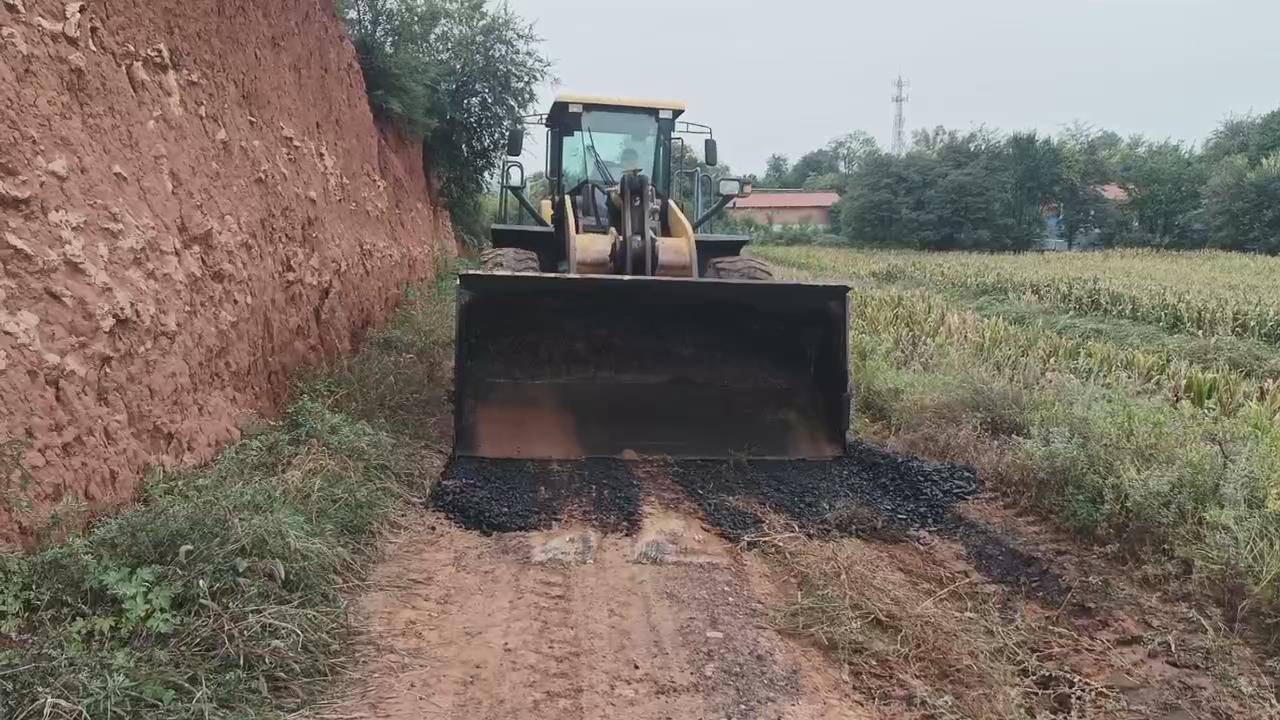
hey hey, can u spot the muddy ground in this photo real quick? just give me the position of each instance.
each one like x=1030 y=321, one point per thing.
x=659 y=589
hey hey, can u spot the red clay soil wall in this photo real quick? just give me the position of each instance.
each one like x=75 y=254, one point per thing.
x=194 y=202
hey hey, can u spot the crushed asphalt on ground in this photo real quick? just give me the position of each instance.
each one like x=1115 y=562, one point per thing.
x=872 y=494
x=501 y=496
x=869 y=493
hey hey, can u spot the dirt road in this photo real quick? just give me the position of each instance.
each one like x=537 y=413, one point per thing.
x=668 y=623
x=621 y=590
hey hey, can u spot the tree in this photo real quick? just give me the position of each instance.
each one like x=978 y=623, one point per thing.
x=1035 y=167
x=400 y=75
x=1244 y=204
x=776 y=169
x=851 y=149
x=829 y=182
x=456 y=72
x=931 y=141
x=952 y=191
x=1254 y=137
x=821 y=162
x=827 y=168
x=1242 y=196
x=981 y=189
x=1165 y=182
x=879 y=203
x=1088 y=156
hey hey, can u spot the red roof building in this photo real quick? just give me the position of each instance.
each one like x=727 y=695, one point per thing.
x=1113 y=192
x=785 y=208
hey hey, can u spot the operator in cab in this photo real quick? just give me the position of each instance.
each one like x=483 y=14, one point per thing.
x=630 y=160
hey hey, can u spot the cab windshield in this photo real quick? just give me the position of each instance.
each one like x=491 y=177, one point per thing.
x=610 y=144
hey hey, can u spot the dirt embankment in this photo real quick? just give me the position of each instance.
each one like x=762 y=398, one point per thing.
x=194 y=202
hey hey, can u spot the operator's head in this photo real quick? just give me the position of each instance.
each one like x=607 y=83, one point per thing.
x=630 y=159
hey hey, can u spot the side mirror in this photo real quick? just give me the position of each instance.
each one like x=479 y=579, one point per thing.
x=515 y=142
x=733 y=187
x=513 y=180
x=710 y=153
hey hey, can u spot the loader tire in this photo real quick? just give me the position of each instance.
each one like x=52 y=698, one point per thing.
x=738 y=268
x=510 y=260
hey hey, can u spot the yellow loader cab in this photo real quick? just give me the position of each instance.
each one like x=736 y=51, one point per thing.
x=606 y=325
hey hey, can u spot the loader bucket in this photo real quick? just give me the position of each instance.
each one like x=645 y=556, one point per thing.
x=576 y=366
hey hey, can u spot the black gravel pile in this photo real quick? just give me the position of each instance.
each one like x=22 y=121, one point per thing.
x=495 y=496
x=993 y=556
x=872 y=493
x=869 y=492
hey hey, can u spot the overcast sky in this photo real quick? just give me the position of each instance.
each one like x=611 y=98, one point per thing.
x=788 y=75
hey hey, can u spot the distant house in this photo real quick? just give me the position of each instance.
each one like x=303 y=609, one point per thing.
x=1055 y=233
x=1113 y=192
x=785 y=208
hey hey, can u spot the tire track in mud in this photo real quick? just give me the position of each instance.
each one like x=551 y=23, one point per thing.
x=544 y=645
x=528 y=626
x=638 y=653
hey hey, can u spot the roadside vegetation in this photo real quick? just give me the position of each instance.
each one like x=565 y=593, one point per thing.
x=224 y=591
x=1131 y=396
x=912 y=634
x=458 y=74
x=917 y=637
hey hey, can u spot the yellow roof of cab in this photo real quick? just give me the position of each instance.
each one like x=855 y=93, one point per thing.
x=676 y=107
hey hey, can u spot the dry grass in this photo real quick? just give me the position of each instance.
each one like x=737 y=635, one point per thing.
x=925 y=641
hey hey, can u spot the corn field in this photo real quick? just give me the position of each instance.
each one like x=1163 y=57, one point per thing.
x=1203 y=294
x=919 y=326
x=1137 y=393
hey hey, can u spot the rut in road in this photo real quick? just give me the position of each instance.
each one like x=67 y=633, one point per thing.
x=668 y=623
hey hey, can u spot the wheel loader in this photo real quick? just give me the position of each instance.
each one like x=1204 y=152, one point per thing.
x=606 y=325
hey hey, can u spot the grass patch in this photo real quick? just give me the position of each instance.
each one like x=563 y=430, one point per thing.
x=222 y=593
x=399 y=379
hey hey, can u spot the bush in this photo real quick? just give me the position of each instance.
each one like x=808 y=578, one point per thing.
x=1244 y=204
x=765 y=235
x=456 y=72
x=217 y=593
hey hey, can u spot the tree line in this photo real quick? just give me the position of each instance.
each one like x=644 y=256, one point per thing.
x=987 y=190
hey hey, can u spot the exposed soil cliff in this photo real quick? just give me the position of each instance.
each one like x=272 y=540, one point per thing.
x=194 y=202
